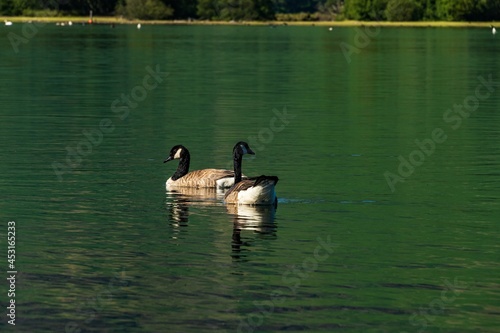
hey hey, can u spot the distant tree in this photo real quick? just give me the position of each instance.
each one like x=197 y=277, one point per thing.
x=265 y=9
x=404 y=10
x=6 y=7
x=236 y=10
x=473 y=10
x=443 y=10
x=462 y=9
x=102 y=7
x=330 y=8
x=356 y=9
x=489 y=10
x=145 y=10
x=297 y=6
x=207 y=9
x=21 y=6
x=457 y=10
x=365 y=10
x=183 y=9
x=429 y=9
x=82 y=7
x=335 y=6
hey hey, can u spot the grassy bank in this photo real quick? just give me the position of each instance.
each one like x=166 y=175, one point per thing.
x=117 y=20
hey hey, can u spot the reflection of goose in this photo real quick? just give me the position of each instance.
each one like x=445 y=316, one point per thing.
x=7 y=22
x=253 y=191
x=200 y=178
x=179 y=200
x=256 y=218
x=179 y=213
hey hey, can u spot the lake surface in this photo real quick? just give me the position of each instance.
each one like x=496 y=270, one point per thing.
x=386 y=144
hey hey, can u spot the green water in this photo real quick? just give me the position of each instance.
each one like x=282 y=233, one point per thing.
x=89 y=113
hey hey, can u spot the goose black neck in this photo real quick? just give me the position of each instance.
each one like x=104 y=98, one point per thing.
x=237 y=167
x=183 y=167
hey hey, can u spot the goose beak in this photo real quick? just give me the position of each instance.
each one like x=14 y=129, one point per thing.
x=250 y=151
x=168 y=159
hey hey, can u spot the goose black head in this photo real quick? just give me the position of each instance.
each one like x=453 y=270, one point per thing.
x=177 y=152
x=242 y=148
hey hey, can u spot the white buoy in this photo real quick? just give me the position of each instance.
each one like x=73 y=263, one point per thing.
x=138 y=25
x=330 y=29
x=493 y=30
x=7 y=22
x=70 y=23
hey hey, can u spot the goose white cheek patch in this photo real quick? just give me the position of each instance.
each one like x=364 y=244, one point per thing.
x=178 y=154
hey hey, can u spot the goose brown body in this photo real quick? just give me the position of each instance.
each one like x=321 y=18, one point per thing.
x=202 y=178
x=217 y=178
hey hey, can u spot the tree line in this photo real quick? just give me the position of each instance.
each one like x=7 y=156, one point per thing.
x=365 y=10
x=423 y=10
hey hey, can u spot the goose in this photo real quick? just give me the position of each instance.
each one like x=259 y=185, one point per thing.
x=252 y=191
x=216 y=178
x=7 y=22
x=493 y=30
